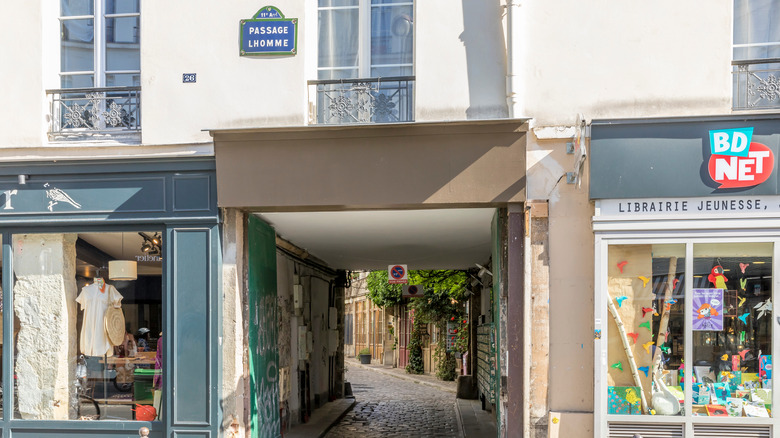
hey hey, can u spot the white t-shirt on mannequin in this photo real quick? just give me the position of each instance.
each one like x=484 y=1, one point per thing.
x=94 y=300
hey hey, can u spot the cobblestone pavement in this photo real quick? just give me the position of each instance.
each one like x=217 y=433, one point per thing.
x=390 y=407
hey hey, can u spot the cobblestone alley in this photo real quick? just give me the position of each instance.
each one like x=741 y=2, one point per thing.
x=390 y=407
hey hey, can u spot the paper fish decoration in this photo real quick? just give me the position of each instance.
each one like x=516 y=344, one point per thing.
x=644 y=369
x=674 y=283
x=621 y=264
x=763 y=308
x=645 y=311
x=620 y=300
x=717 y=278
x=743 y=266
x=670 y=301
x=742 y=283
x=646 y=325
x=644 y=280
x=741 y=301
x=647 y=345
x=618 y=365
x=743 y=353
x=633 y=335
x=743 y=318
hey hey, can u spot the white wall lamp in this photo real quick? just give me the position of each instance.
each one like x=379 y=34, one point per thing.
x=22 y=179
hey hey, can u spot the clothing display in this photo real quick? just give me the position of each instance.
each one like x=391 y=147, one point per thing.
x=94 y=299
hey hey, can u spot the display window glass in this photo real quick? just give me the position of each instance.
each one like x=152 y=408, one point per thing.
x=88 y=323
x=696 y=329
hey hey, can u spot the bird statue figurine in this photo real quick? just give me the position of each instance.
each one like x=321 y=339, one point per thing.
x=717 y=278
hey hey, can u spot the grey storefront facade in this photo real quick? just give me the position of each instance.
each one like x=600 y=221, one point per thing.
x=59 y=221
x=687 y=238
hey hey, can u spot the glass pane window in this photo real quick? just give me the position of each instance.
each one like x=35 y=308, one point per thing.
x=77 y=49
x=338 y=35
x=71 y=8
x=380 y=46
x=646 y=329
x=88 y=340
x=732 y=329
x=99 y=37
x=391 y=37
x=756 y=29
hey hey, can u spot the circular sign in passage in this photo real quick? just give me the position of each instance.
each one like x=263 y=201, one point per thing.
x=397 y=272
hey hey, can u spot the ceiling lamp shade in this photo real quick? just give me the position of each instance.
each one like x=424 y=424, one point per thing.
x=122 y=270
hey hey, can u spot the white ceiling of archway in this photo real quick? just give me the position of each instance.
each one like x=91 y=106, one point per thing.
x=368 y=240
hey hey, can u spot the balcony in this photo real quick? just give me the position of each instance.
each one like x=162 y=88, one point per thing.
x=78 y=113
x=756 y=84
x=354 y=101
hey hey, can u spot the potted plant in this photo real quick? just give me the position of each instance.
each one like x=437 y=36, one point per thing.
x=365 y=356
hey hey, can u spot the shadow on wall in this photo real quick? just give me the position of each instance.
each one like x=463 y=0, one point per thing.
x=483 y=38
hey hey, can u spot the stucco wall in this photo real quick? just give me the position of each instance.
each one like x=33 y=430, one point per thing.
x=570 y=277
x=626 y=59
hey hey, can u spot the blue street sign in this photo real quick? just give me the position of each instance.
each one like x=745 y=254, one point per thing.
x=269 y=33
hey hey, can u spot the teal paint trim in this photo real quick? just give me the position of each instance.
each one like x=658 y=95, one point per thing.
x=8 y=330
x=263 y=330
x=191 y=356
x=86 y=167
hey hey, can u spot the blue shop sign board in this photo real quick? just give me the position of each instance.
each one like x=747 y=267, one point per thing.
x=269 y=33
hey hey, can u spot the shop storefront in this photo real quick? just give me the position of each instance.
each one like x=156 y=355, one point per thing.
x=687 y=238
x=110 y=299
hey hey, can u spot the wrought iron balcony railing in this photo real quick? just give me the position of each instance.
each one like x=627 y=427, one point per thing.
x=374 y=100
x=88 y=111
x=756 y=84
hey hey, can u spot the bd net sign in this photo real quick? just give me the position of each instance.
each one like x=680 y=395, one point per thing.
x=736 y=161
x=269 y=33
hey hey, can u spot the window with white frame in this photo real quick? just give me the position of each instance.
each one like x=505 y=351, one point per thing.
x=365 y=62
x=756 y=54
x=100 y=69
x=99 y=43
x=365 y=38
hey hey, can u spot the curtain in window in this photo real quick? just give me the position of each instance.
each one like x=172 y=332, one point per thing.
x=756 y=23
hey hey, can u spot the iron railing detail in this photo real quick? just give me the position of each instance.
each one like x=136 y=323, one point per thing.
x=373 y=100
x=85 y=111
x=756 y=84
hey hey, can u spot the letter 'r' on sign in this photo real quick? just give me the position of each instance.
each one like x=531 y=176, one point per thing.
x=397 y=274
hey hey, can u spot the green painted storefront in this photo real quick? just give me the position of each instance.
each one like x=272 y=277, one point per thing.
x=176 y=198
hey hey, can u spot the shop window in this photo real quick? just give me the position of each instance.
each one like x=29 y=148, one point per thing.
x=718 y=353
x=646 y=330
x=88 y=345
x=732 y=329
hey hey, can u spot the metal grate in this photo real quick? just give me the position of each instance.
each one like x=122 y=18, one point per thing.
x=369 y=100
x=723 y=431
x=657 y=430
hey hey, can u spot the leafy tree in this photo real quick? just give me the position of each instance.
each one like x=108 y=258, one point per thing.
x=445 y=291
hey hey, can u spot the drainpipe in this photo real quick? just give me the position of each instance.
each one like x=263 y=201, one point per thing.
x=515 y=58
